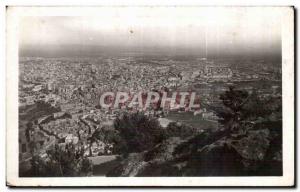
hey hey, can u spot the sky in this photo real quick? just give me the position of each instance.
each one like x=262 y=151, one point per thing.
x=195 y=30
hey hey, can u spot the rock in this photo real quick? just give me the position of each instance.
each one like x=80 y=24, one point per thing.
x=163 y=151
x=149 y=162
x=253 y=146
x=130 y=166
x=207 y=154
x=216 y=159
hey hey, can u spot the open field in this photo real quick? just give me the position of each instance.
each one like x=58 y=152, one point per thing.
x=194 y=121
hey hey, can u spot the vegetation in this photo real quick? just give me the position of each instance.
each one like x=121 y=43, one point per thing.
x=175 y=129
x=137 y=132
x=248 y=143
x=243 y=111
x=67 y=161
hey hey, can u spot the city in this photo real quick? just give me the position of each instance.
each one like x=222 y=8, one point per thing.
x=59 y=97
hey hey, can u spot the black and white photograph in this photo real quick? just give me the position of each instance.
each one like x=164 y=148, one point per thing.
x=150 y=96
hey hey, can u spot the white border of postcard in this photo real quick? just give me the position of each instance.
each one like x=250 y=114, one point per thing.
x=15 y=13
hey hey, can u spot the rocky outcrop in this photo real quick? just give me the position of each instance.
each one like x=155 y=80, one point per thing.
x=207 y=154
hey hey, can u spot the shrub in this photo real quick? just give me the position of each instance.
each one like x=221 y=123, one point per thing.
x=61 y=161
x=137 y=132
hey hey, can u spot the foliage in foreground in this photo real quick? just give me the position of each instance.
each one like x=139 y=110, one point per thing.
x=61 y=161
x=137 y=132
x=249 y=143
